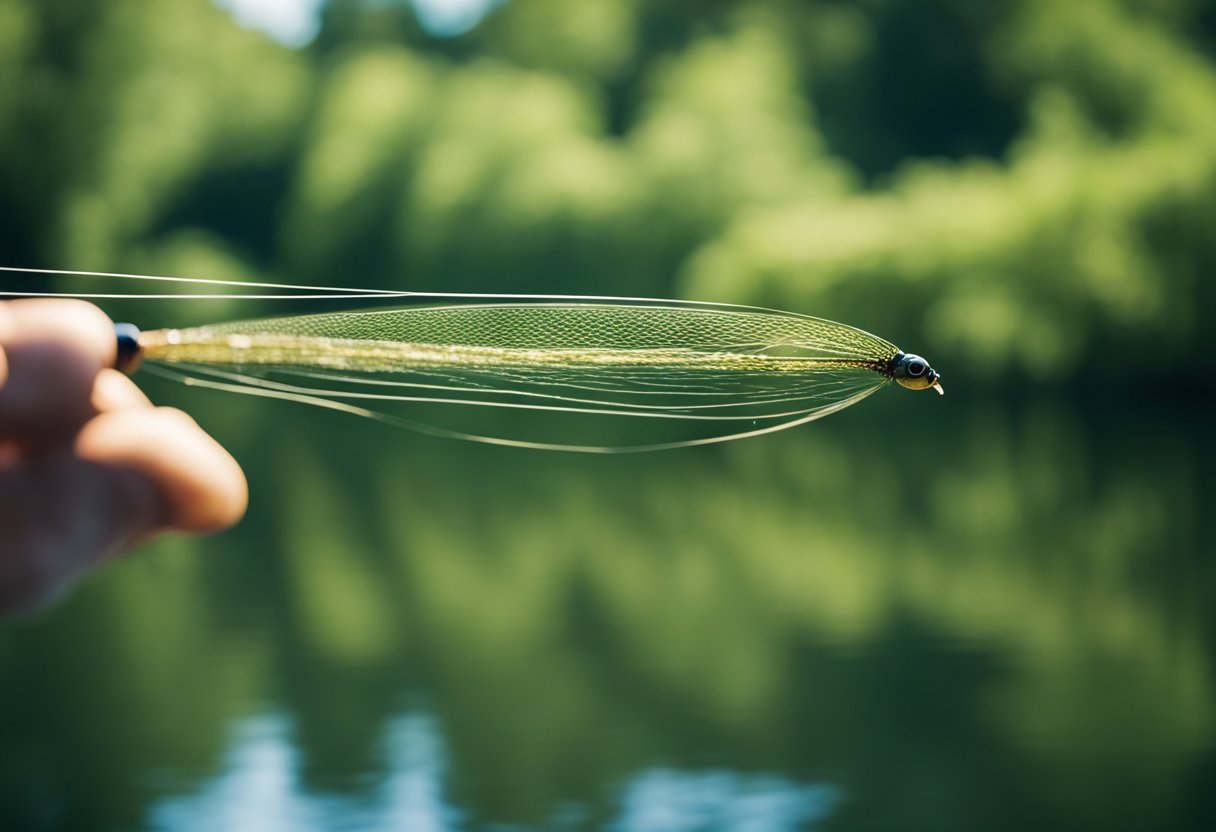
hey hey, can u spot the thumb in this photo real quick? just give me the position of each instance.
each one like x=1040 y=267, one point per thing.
x=199 y=486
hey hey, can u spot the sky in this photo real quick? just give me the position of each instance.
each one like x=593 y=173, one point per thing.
x=295 y=22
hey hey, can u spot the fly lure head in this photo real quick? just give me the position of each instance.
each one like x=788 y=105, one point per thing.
x=913 y=372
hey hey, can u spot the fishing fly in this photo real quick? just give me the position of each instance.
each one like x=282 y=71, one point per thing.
x=733 y=371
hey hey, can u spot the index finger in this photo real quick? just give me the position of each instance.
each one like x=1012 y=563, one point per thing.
x=53 y=350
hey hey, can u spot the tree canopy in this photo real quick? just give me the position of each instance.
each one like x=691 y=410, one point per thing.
x=1022 y=186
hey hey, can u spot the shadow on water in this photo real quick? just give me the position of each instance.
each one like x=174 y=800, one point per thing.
x=911 y=615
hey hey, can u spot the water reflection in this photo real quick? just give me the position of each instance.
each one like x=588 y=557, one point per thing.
x=258 y=786
x=663 y=800
x=834 y=627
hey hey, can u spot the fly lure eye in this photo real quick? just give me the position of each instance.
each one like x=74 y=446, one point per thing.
x=917 y=368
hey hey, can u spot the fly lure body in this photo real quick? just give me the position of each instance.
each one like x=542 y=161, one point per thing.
x=734 y=371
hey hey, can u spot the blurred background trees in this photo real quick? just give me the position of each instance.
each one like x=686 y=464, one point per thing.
x=1019 y=189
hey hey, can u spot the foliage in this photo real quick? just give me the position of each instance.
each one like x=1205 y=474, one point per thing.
x=1018 y=187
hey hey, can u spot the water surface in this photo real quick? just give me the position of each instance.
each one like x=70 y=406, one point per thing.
x=920 y=614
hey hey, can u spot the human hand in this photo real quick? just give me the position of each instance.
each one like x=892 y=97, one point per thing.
x=88 y=467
